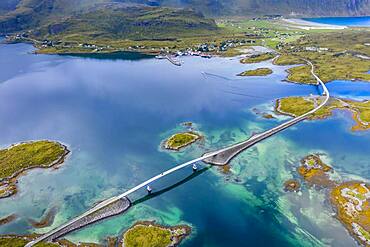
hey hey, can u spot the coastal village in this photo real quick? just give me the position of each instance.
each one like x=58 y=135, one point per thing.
x=254 y=35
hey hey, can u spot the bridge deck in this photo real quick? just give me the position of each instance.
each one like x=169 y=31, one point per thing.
x=220 y=157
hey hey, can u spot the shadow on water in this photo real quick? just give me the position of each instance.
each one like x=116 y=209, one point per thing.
x=160 y=192
x=120 y=55
x=145 y=198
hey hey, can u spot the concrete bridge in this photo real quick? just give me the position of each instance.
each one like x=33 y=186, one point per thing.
x=223 y=156
x=226 y=156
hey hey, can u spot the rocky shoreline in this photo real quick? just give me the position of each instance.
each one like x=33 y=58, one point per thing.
x=46 y=220
x=350 y=200
x=8 y=219
x=8 y=184
x=195 y=137
x=176 y=234
x=292 y=185
x=327 y=111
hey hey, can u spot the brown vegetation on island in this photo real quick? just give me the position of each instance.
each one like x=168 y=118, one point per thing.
x=292 y=185
x=352 y=203
x=315 y=172
x=350 y=200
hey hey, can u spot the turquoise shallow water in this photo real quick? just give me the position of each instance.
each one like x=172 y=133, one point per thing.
x=363 y=21
x=114 y=113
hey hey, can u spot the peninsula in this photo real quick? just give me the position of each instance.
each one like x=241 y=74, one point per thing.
x=258 y=58
x=295 y=106
x=256 y=72
x=17 y=159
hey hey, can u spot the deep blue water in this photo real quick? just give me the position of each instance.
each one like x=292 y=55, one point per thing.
x=343 y=21
x=114 y=113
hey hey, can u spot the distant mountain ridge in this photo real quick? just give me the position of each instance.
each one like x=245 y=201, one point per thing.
x=266 y=7
x=103 y=19
x=131 y=18
x=218 y=7
x=283 y=7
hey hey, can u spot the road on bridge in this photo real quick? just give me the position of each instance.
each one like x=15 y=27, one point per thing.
x=231 y=152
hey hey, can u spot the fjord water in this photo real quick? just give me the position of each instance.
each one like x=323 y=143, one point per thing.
x=114 y=113
x=363 y=21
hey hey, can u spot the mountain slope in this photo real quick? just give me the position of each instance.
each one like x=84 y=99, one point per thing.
x=87 y=20
x=7 y=5
x=213 y=7
x=284 y=7
x=69 y=15
x=130 y=22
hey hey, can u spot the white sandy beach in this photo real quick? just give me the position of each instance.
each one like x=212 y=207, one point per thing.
x=308 y=25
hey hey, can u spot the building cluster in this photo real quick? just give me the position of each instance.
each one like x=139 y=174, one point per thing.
x=17 y=37
x=293 y=48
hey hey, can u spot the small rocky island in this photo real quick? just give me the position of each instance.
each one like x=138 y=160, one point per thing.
x=17 y=159
x=350 y=199
x=292 y=185
x=181 y=140
x=315 y=171
x=256 y=72
x=147 y=234
x=296 y=106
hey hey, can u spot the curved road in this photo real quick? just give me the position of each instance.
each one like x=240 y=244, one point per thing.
x=239 y=146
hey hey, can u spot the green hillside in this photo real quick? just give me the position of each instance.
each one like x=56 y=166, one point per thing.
x=24 y=14
x=207 y=7
x=135 y=22
x=98 y=19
